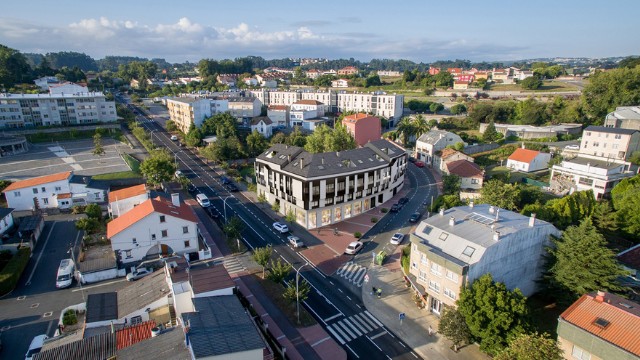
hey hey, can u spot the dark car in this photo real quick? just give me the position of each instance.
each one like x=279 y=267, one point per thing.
x=403 y=201
x=213 y=213
x=232 y=187
x=225 y=180
x=415 y=217
x=192 y=189
x=395 y=207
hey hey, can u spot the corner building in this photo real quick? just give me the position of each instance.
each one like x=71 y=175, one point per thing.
x=326 y=188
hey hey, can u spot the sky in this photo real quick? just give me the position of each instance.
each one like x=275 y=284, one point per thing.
x=420 y=31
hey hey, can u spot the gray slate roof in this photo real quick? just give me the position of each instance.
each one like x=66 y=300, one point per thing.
x=626 y=113
x=169 y=345
x=97 y=347
x=4 y=212
x=374 y=154
x=610 y=130
x=221 y=326
x=87 y=180
x=102 y=307
x=433 y=136
x=139 y=294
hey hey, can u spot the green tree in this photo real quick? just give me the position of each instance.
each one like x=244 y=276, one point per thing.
x=443 y=79
x=626 y=201
x=608 y=90
x=278 y=138
x=303 y=291
x=98 y=149
x=531 y=112
x=278 y=270
x=90 y=225
x=531 y=83
x=406 y=129
x=490 y=133
x=256 y=143
x=531 y=347
x=420 y=125
x=158 y=167
x=223 y=125
x=13 y=67
x=373 y=80
x=93 y=211
x=290 y=217
x=262 y=256
x=194 y=137
x=233 y=229
x=436 y=107
x=581 y=262
x=339 y=139
x=297 y=138
x=324 y=80
x=493 y=313
x=458 y=109
x=451 y=184
x=317 y=141
x=454 y=327
x=497 y=193
x=604 y=218
x=171 y=126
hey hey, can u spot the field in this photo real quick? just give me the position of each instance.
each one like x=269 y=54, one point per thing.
x=546 y=86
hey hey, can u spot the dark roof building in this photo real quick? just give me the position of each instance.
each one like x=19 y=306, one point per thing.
x=102 y=307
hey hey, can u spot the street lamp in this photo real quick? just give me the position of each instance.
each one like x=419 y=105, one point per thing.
x=297 y=292
x=224 y=207
x=73 y=257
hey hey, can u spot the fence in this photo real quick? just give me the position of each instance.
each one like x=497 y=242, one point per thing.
x=474 y=149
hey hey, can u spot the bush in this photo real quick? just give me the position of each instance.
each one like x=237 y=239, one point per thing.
x=11 y=273
x=252 y=187
x=78 y=209
x=405 y=259
x=357 y=235
x=69 y=318
x=384 y=210
x=374 y=220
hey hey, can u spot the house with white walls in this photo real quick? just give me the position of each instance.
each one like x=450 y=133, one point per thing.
x=314 y=106
x=123 y=200
x=6 y=220
x=263 y=125
x=526 y=160
x=340 y=83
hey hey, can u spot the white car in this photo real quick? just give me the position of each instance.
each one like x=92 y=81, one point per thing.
x=35 y=346
x=397 y=238
x=572 y=147
x=138 y=274
x=178 y=174
x=174 y=138
x=282 y=228
x=295 y=241
x=353 y=248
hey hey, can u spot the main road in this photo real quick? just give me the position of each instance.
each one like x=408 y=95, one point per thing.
x=337 y=306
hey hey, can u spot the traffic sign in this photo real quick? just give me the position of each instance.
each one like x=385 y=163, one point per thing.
x=401 y=316
x=366 y=278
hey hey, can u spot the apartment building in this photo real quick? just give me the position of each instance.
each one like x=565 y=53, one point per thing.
x=625 y=117
x=326 y=188
x=588 y=172
x=187 y=111
x=279 y=114
x=455 y=247
x=244 y=108
x=610 y=143
x=55 y=109
x=363 y=128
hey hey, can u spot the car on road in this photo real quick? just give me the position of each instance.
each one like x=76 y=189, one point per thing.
x=414 y=217
x=174 y=138
x=295 y=241
x=419 y=164
x=353 y=248
x=397 y=238
x=138 y=274
x=178 y=174
x=203 y=200
x=213 y=213
x=572 y=147
x=225 y=180
x=281 y=227
x=231 y=187
x=192 y=189
x=35 y=346
x=394 y=208
x=403 y=200
x=64 y=278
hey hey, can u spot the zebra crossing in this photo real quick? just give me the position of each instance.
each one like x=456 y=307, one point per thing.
x=353 y=273
x=353 y=327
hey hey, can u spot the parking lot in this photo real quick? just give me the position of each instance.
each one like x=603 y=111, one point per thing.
x=50 y=158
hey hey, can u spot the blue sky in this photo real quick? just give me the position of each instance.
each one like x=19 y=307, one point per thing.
x=415 y=30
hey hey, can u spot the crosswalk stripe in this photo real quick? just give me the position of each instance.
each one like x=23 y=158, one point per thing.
x=348 y=272
x=339 y=330
x=364 y=324
x=332 y=317
x=342 y=269
x=367 y=320
x=342 y=342
x=359 y=275
x=373 y=318
x=354 y=327
x=346 y=328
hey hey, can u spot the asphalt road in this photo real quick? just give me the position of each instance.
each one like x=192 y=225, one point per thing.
x=330 y=301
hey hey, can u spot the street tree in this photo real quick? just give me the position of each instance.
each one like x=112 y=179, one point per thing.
x=436 y=107
x=98 y=149
x=171 y=126
x=581 y=262
x=278 y=270
x=531 y=347
x=233 y=229
x=290 y=217
x=93 y=211
x=303 y=291
x=493 y=313
x=502 y=195
x=454 y=327
x=262 y=255
x=89 y=225
x=158 y=167
x=194 y=136
x=256 y=143
x=626 y=201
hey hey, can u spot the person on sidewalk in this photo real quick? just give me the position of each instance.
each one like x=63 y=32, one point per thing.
x=379 y=293
x=373 y=290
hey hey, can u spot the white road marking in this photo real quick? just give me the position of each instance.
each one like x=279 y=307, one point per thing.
x=98 y=285
x=377 y=335
x=373 y=318
x=354 y=353
x=332 y=317
x=40 y=255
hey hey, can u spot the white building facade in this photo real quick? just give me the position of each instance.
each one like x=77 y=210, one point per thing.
x=589 y=173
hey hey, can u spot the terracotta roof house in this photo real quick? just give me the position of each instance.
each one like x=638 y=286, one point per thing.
x=448 y=155
x=526 y=160
x=123 y=200
x=348 y=70
x=364 y=128
x=600 y=326
x=263 y=125
x=471 y=175
x=156 y=226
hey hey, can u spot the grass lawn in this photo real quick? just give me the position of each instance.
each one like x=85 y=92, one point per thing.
x=133 y=163
x=118 y=176
x=548 y=85
x=45 y=137
x=274 y=291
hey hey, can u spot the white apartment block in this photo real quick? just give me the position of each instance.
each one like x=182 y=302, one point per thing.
x=609 y=143
x=326 y=188
x=244 y=108
x=30 y=110
x=187 y=111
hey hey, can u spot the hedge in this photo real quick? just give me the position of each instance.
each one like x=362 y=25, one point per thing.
x=11 y=273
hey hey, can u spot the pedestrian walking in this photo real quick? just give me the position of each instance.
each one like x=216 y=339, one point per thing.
x=379 y=293
x=373 y=290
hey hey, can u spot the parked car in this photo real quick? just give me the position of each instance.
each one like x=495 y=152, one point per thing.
x=353 y=248
x=232 y=187
x=174 y=138
x=225 y=180
x=397 y=238
x=295 y=241
x=414 y=217
x=281 y=227
x=178 y=174
x=419 y=164
x=403 y=201
x=213 y=213
x=572 y=147
x=395 y=207
x=138 y=274
x=35 y=346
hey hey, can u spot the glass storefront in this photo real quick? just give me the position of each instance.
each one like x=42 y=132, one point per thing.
x=326 y=217
x=301 y=218
x=357 y=208
x=337 y=213
x=347 y=211
x=312 y=220
x=367 y=204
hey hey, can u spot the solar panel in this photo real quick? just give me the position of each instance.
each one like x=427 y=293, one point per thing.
x=482 y=219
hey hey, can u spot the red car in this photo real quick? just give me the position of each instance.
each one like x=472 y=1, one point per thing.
x=419 y=163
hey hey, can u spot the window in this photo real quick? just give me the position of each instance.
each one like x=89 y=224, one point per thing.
x=443 y=236
x=468 y=251
x=449 y=293
x=162 y=219
x=186 y=243
x=185 y=229
x=127 y=253
x=43 y=189
x=153 y=236
x=474 y=181
x=580 y=354
x=164 y=233
x=136 y=320
x=452 y=276
x=45 y=201
x=16 y=194
x=618 y=137
x=414 y=265
x=422 y=276
x=435 y=269
x=434 y=286
x=134 y=241
x=423 y=259
x=35 y=190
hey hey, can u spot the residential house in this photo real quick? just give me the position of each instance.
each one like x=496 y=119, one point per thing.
x=624 y=117
x=6 y=220
x=326 y=188
x=244 y=108
x=348 y=70
x=340 y=83
x=525 y=160
x=227 y=79
x=123 y=200
x=434 y=71
x=251 y=81
x=330 y=72
x=61 y=190
x=502 y=76
x=279 y=115
x=481 y=75
x=471 y=175
x=600 y=325
x=610 y=143
x=155 y=227
x=448 y=155
x=534 y=132
x=313 y=74
x=468 y=78
x=435 y=140
x=587 y=172
x=364 y=128
x=389 y=73
x=460 y=85
x=522 y=74
x=167 y=345
x=454 y=71
x=299 y=117
x=314 y=106
x=263 y=125
x=452 y=249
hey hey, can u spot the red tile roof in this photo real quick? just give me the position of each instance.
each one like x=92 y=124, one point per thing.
x=356 y=117
x=38 y=181
x=465 y=169
x=308 y=102
x=524 y=155
x=277 y=107
x=622 y=315
x=631 y=257
x=127 y=192
x=130 y=335
x=158 y=205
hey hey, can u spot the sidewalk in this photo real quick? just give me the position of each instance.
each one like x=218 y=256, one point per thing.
x=414 y=330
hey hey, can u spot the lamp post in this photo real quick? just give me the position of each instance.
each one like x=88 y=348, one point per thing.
x=224 y=207
x=297 y=292
x=73 y=257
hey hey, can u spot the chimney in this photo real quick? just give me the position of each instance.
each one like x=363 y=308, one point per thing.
x=532 y=220
x=497 y=214
x=441 y=211
x=175 y=199
x=496 y=236
x=600 y=296
x=289 y=158
x=452 y=221
x=301 y=162
x=523 y=145
x=491 y=210
x=471 y=204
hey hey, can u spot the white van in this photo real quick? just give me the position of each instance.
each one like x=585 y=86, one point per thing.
x=35 y=346
x=203 y=200
x=65 y=273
